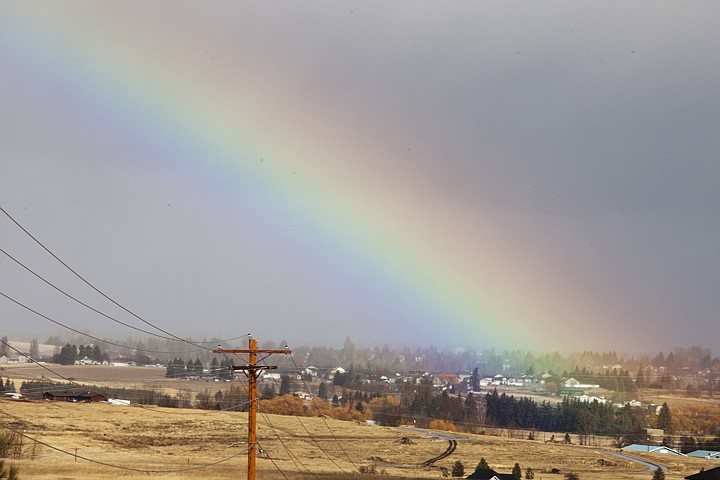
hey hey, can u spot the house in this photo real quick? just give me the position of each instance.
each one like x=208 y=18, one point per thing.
x=708 y=454
x=86 y=361
x=712 y=474
x=573 y=383
x=310 y=371
x=485 y=382
x=636 y=447
x=490 y=474
x=75 y=396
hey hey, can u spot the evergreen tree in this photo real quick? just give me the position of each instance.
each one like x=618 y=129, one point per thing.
x=664 y=421
x=517 y=472
x=658 y=474
x=529 y=474
x=284 y=385
x=458 y=469
x=225 y=370
x=268 y=392
x=67 y=356
x=640 y=381
x=198 y=367
x=483 y=464
x=688 y=444
x=475 y=380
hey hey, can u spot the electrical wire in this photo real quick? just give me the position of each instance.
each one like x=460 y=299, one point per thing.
x=291 y=455
x=100 y=292
x=328 y=426
x=45 y=367
x=80 y=301
x=119 y=467
x=308 y=432
x=73 y=382
x=274 y=464
x=91 y=336
x=109 y=317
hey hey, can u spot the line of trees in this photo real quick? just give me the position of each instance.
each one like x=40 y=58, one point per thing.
x=627 y=424
x=69 y=354
x=8 y=386
x=179 y=368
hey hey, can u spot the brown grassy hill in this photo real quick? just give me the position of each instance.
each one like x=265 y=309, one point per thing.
x=133 y=439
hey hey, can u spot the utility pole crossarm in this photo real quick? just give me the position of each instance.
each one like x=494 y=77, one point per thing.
x=283 y=351
x=253 y=368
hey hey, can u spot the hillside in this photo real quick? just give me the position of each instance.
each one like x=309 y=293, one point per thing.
x=135 y=439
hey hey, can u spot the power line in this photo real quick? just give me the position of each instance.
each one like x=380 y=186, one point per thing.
x=73 y=382
x=80 y=301
x=306 y=429
x=328 y=426
x=119 y=467
x=104 y=295
x=91 y=336
x=109 y=317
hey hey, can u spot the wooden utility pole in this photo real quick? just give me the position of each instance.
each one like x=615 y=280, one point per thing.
x=252 y=370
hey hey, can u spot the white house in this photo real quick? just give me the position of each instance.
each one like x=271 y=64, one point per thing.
x=86 y=361
x=571 y=382
x=311 y=371
x=499 y=379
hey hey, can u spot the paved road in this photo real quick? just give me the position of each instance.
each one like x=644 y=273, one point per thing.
x=441 y=436
x=651 y=466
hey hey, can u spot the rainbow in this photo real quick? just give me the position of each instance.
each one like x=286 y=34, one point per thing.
x=326 y=192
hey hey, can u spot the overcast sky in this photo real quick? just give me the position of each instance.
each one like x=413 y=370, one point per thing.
x=537 y=175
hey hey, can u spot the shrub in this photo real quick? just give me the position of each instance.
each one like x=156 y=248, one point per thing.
x=458 y=469
x=442 y=425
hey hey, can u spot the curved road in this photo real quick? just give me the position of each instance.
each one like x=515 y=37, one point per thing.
x=651 y=466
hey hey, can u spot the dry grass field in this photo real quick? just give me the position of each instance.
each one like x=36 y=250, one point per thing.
x=110 y=376
x=128 y=441
x=136 y=439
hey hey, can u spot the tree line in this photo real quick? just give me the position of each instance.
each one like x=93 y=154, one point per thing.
x=69 y=354
x=178 y=368
x=627 y=424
